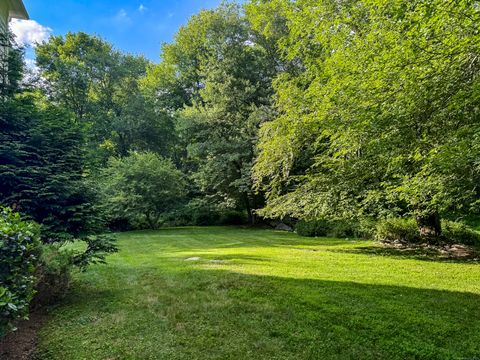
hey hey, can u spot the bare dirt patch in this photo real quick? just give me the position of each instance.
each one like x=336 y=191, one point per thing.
x=21 y=344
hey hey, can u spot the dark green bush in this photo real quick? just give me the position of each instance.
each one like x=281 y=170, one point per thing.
x=232 y=217
x=459 y=233
x=398 y=229
x=98 y=247
x=344 y=229
x=201 y=212
x=366 y=228
x=313 y=228
x=19 y=249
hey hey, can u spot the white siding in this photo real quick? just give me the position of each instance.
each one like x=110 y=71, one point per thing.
x=4 y=12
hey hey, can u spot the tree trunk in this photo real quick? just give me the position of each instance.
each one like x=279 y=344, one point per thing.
x=429 y=226
x=251 y=215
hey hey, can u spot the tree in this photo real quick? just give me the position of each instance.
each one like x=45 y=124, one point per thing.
x=385 y=104
x=100 y=85
x=42 y=157
x=217 y=76
x=141 y=187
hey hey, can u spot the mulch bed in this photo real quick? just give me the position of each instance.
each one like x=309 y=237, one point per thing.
x=21 y=344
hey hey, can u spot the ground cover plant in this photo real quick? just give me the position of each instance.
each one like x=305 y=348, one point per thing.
x=235 y=293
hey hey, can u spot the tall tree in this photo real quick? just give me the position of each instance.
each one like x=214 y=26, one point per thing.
x=222 y=75
x=42 y=161
x=42 y=167
x=385 y=104
x=100 y=85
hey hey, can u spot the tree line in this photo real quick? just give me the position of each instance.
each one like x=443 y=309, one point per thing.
x=292 y=110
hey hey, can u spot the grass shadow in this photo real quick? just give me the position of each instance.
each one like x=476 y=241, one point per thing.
x=218 y=314
x=419 y=253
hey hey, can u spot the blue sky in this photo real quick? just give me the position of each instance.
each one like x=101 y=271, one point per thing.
x=135 y=26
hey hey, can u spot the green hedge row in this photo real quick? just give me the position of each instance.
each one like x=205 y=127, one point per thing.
x=393 y=229
x=406 y=230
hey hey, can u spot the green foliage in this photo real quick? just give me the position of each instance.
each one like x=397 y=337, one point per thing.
x=42 y=167
x=98 y=247
x=19 y=249
x=58 y=262
x=398 y=229
x=313 y=228
x=140 y=188
x=217 y=75
x=459 y=233
x=204 y=212
x=100 y=85
x=378 y=114
x=53 y=274
x=406 y=230
x=335 y=228
x=11 y=66
x=201 y=212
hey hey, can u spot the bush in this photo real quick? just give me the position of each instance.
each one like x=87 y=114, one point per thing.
x=53 y=274
x=98 y=247
x=406 y=230
x=313 y=228
x=202 y=212
x=398 y=229
x=232 y=217
x=459 y=233
x=57 y=262
x=366 y=228
x=19 y=249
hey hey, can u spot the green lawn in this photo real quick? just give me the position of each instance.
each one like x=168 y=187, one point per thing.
x=260 y=294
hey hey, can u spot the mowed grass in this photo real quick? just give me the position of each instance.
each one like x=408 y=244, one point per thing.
x=260 y=294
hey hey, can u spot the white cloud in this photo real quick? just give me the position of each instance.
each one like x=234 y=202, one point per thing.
x=122 y=16
x=29 y=32
x=142 y=8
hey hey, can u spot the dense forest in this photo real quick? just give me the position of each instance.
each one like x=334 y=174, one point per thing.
x=354 y=118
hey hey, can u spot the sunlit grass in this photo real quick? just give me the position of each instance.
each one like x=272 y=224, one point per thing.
x=229 y=293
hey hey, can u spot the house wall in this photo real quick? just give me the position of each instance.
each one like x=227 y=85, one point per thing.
x=4 y=12
x=4 y=17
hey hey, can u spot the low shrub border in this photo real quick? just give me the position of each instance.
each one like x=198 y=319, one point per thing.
x=19 y=253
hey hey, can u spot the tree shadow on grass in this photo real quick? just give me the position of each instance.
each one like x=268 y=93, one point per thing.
x=219 y=314
x=414 y=253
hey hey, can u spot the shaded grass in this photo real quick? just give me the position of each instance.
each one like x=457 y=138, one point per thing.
x=259 y=294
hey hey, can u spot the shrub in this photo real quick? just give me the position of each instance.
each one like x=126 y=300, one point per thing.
x=366 y=228
x=53 y=274
x=98 y=247
x=232 y=217
x=313 y=228
x=406 y=230
x=19 y=248
x=459 y=233
x=344 y=229
x=57 y=261
x=202 y=212
x=397 y=229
